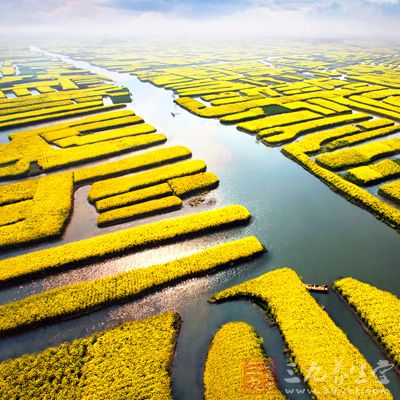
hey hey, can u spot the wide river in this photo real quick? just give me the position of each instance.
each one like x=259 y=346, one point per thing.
x=302 y=222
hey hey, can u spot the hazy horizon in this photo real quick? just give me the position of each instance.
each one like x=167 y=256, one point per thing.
x=356 y=19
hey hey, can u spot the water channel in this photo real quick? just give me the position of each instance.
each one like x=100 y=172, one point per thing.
x=302 y=222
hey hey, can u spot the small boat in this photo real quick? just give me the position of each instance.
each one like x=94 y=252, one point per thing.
x=316 y=288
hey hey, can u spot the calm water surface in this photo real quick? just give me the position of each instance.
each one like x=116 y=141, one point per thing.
x=303 y=223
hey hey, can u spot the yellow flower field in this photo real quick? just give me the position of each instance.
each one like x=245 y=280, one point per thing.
x=322 y=352
x=359 y=155
x=115 y=186
x=379 y=310
x=82 y=297
x=140 y=210
x=44 y=217
x=132 y=164
x=131 y=239
x=368 y=174
x=130 y=361
x=320 y=104
x=391 y=191
x=188 y=185
x=134 y=197
x=76 y=162
x=237 y=367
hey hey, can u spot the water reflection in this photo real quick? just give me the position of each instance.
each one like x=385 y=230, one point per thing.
x=304 y=224
x=142 y=259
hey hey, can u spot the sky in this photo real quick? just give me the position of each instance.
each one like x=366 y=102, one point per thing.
x=217 y=18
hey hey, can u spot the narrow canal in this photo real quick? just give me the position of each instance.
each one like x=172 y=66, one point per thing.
x=303 y=223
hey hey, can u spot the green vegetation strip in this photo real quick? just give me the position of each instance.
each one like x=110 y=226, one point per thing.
x=311 y=336
x=131 y=239
x=131 y=361
x=379 y=310
x=81 y=297
x=238 y=346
